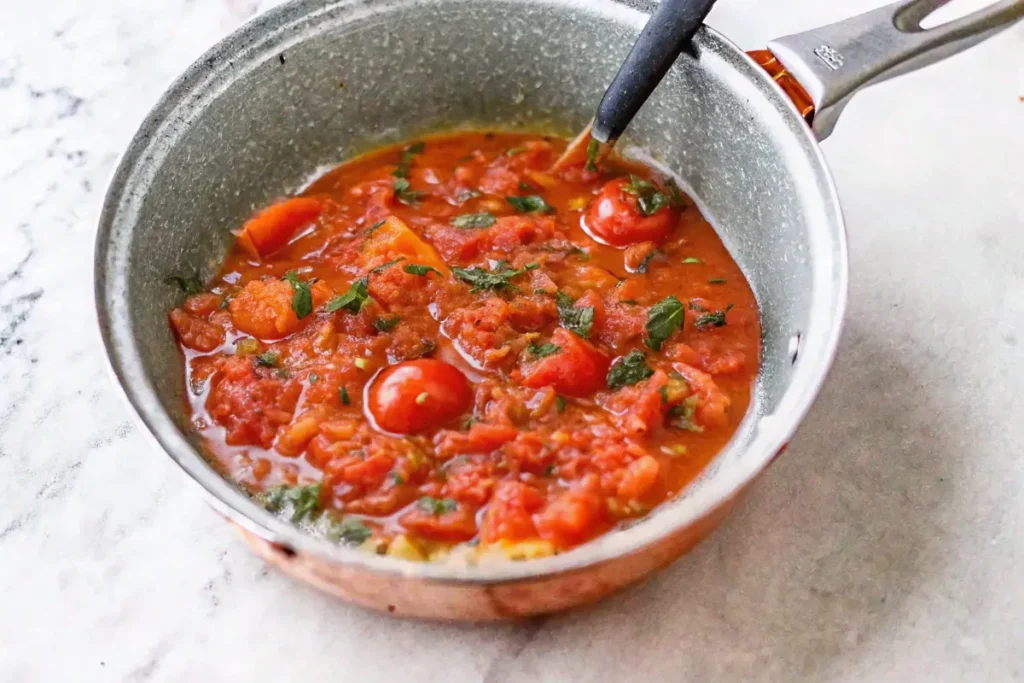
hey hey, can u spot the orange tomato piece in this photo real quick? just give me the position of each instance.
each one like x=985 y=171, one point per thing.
x=273 y=227
x=263 y=308
x=455 y=525
x=196 y=333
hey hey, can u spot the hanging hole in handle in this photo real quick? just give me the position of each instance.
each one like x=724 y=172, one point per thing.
x=918 y=16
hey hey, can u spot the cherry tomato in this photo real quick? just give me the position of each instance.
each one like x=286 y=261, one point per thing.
x=615 y=218
x=416 y=395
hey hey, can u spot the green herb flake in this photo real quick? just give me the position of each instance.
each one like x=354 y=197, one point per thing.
x=422 y=271
x=405 y=163
x=578 y=319
x=267 y=359
x=405 y=194
x=663 y=319
x=681 y=416
x=675 y=196
x=386 y=324
x=716 y=281
x=550 y=470
x=343 y=395
x=313 y=378
x=692 y=260
x=469 y=221
x=543 y=350
x=373 y=228
x=188 y=284
x=437 y=506
x=396 y=478
x=305 y=500
x=649 y=199
x=593 y=150
x=530 y=204
x=497 y=279
x=302 y=295
x=712 y=319
x=349 y=531
x=559 y=404
x=646 y=262
x=353 y=300
x=631 y=369
x=384 y=266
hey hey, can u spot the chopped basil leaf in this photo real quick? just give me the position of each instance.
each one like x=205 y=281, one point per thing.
x=467 y=221
x=681 y=415
x=282 y=373
x=313 y=378
x=497 y=279
x=302 y=297
x=353 y=300
x=692 y=259
x=349 y=532
x=437 y=506
x=415 y=269
x=188 y=284
x=716 y=281
x=583 y=254
x=267 y=359
x=712 y=319
x=676 y=198
x=559 y=404
x=384 y=266
x=386 y=324
x=593 y=149
x=396 y=478
x=549 y=471
x=404 y=194
x=543 y=350
x=464 y=194
x=530 y=204
x=648 y=197
x=646 y=262
x=343 y=395
x=575 y=319
x=305 y=500
x=373 y=228
x=405 y=163
x=663 y=319
x=630 y=370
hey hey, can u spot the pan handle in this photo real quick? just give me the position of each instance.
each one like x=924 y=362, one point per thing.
x=834 y=62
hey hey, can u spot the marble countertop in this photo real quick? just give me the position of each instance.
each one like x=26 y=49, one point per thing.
x=886 y=545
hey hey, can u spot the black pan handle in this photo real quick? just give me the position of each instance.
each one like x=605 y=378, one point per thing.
x=666 y=34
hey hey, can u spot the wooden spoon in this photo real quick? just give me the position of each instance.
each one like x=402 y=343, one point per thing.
x=667 y=33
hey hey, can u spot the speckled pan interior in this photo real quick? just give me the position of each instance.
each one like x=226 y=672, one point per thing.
x=312 y=83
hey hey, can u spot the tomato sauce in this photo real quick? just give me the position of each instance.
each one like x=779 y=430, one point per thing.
x=445 y=347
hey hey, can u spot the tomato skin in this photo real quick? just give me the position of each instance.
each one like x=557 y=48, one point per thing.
x=417 y=395
x=273 y=227
x=614 y=218
x=578 y=369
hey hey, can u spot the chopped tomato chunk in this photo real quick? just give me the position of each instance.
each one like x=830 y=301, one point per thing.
x=571 y=518
x=455 y=525
x=576 y=369
x=510 y=514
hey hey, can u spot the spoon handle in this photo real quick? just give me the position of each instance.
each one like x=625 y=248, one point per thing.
x=666 y=34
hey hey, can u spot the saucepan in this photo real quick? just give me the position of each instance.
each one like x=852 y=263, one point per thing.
x=313 y=82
